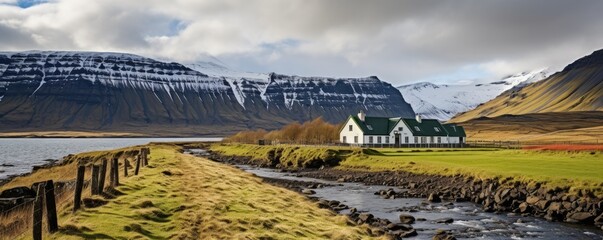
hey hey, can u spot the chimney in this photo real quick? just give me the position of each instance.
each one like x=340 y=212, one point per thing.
x=418 y=117
x=361 y=115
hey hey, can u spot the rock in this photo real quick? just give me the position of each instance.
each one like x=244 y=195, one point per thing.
x=341 y=180
x=443 y=235
x=7 y=165
x=308 y=191
x=398 y=226
x=599 y=220
x=532 y=200
x=580 y=217
x=410 y=233
x=421 y=219
x=445 y=220
x=519 y=220
x=542 y=204
x=366 y=217
x=18 y=192
x=334 y=203
x=434 y=198
x=322 y=203
x=555 y=206
x=407 y=219
x=524 y=207
x=403 y=234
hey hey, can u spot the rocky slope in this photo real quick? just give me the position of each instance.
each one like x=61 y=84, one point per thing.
x=578 y=87
x=42 y=91
x=442 y=101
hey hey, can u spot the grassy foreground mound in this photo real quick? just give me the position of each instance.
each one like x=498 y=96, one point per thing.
x=573 y=170
x=185 y=197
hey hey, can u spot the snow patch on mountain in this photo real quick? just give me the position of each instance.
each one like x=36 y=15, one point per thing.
x=442 y=101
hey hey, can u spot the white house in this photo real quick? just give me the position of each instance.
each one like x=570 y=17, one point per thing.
x=383 y=131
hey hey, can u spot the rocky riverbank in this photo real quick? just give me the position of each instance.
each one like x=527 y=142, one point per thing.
x=494 y=195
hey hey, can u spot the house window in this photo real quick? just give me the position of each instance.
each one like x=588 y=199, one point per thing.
x=387 y=139
x=416 y=139
x=355 y=139
x=371 y=139
x=432 y=141
x=405 y=139
x=345 y=139
x=400 y=129
x=350 y=127
x=369 y=127
x=378 y=139
x=437 y=129
x=439 y=139
x=423 y=140
x=417 y=128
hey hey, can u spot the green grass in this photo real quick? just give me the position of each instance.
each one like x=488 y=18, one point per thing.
x=574 y=170
x=579 y=170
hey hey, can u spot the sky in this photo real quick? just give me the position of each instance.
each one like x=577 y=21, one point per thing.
x=401 y=42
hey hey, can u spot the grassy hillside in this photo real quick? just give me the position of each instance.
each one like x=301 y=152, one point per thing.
x=576 y=170
x=577 y=88
x=561 y=126
x=185 y=197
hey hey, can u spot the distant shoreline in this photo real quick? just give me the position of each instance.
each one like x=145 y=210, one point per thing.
x=84 y=134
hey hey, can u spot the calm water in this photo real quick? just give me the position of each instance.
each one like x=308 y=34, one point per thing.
x=24 y=153
x=469 y=219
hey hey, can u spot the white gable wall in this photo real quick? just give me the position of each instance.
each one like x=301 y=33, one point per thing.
x=349 y=135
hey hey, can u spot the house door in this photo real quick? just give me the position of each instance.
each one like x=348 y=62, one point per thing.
x=397 y=140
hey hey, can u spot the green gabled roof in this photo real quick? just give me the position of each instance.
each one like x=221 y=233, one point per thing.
x=427 y=127
x=454 y=130
x=376 y=125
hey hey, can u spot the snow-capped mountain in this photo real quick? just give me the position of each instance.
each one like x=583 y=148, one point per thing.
x=444 y=101
x=43 y=90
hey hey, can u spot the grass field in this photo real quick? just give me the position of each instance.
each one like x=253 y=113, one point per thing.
x=185 y=197
x=575 y=170
x=552 y=127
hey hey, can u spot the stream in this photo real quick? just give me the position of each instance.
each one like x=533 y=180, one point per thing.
x=469 y=219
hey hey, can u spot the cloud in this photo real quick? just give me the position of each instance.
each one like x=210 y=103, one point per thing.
x=400 y=41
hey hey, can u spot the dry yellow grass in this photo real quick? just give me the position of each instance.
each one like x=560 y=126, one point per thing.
x=538 y=127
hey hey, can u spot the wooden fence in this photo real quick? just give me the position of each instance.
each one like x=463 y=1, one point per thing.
x=45 y=201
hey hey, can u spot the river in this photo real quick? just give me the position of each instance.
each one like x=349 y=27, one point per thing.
x=469 y=219
x=18 y=155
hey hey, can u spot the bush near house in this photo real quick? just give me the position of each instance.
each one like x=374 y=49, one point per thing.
x=316 y=131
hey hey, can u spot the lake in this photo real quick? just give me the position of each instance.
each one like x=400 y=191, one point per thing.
x=23 y=153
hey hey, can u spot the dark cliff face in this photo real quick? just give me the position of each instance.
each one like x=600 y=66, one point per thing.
x=123 y=92
x=595 y=59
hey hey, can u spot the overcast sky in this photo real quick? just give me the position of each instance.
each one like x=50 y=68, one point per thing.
x=398 y=41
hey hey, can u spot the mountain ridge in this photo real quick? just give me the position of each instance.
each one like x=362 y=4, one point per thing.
x=54 y=90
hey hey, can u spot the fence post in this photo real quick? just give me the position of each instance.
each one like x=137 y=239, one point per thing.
x=111 y=173
x=51 y=207
x=116 y=172
x=126 y=163
x=95 y=172
x=38 y=212
x=79 y=185
x=137 y=165
x=146 y=156
x=101 y=179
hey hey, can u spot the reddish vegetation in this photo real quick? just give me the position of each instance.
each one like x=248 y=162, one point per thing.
x=566 y=147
